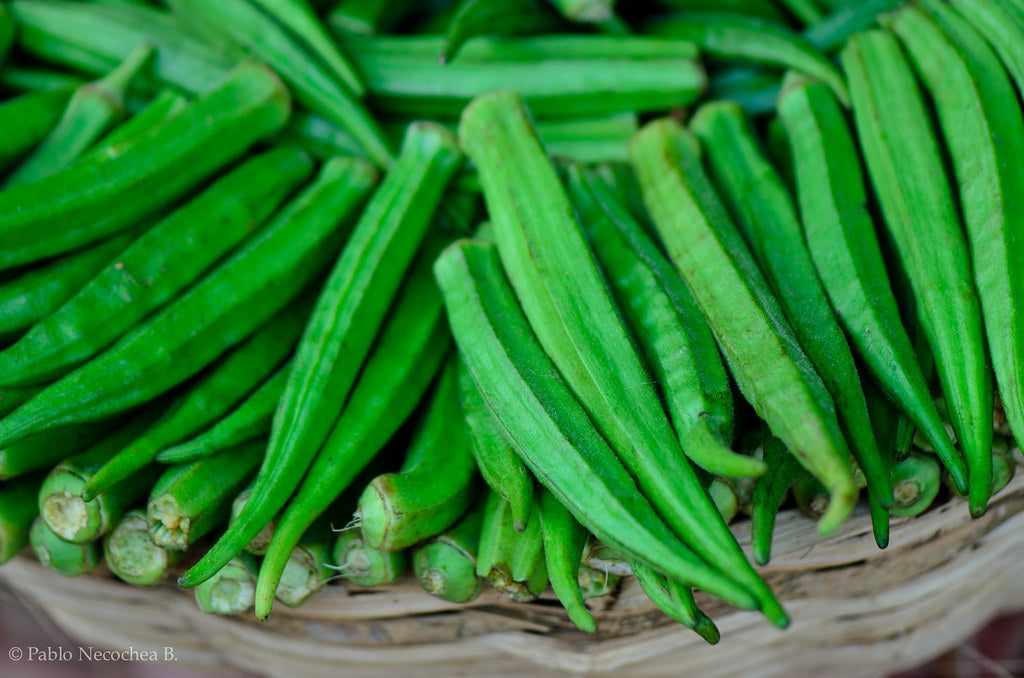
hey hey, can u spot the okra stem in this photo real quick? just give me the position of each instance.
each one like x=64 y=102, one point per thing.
x=64 y=558
x=132 y=555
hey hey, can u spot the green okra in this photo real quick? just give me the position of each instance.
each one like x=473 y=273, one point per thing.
x=319 y=136
x=758 y=345
x=675 y=600
x=757 y=41
x=190 y=500
x=671 y=331
x=147 y=274
x=595 y=583
x=571 y=76
x=564 y=539
x=220 y=311
x=725 y=498
x=547 y=425
x=841 y=237
x=511 y=560
x=764 y=9
x=95 y=198
x=61 y=501
x=589 y=140
x=755 y=90
x=232 y=589
x=769 y=492
x=212 y=395
x=20 y=79
x=94 y=37
x=42 y=450
x=367 y=17
x=406 y=356
x=314 y=86
x=1003 y=29
x=811 y=496
x=258 y=544
x=164 y=106
x=27 y=120
x=29 y=298
x=436 y=483
x=764 y=211
x=93 y=109
x=833 y=30
x=474 y=18
x=298 y=18
x=446 y=564
x=559 y=285
x=308 y=566
x=349 y=311
x=496 y=458
x=250 y=420
x=64 y=558
x=916 y=482
x=806 y=11
x=920 y=215
x=975 y=103
x=364 y=565
x=18 y=511
x=586 y=11
x=132 y=556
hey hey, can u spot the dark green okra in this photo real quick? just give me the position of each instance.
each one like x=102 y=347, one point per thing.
x=164 y=106
x=27 y=120
x=251 y=419
x=64 y=558
x=975 y=103
x=895 y=133
x=676 y=600
x=764 y=211
x=340 y=333
x=212 y=395
x=446 y=564
x=94 y=109
x=502 y=470
x=219 y=312
x=474 y=18
x=669 y=328
x=511 y=560
x=147 y=274
x=841 y=237
x=42 y=450
x=95 y=198
x=436 y=483
x=560 y=287
x=564 y=541
x=18 y=511
x=770 y=490
x=758 y=345
x=190 y=500
x=548 y=427
x=397 y=373
x=18 y=79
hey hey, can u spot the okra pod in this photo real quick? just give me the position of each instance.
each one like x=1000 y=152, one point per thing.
x=564 y=539
x=1003 y=29
x=759 y=347
x=232 y=589
x=586 y=11
x=251 y=419
x=164 y=106
x=511 y=560
x=132 y=556
x=258 y=544
x=27 y=120
x=764 y=211
x=841 y=237
x=18 y=511
x=833 y=31
x=595 y=583
x=446 y=565
x=436 y=483
x=502 y=470
x=367 y=17
x=61 y=501
x=223 y=385
x=755 y=90
x=983 y=127
x=189 y=500
x=95 y=198
x=895 y=133
x=307 y=567
x=364 y=565
x=64 y=558
x=148 y=274
x=557 y=281
x=675 y=599
x=259 y=280
x=22 y=80
x=347 y=315
x=915 y=482
x=252 y=28
x=771 y=488
x=473 y=18
x=94 y=109
x=669 y=327
x=548 y=427
x=42 y=450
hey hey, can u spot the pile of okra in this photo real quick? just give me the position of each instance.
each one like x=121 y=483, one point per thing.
x=503 y=292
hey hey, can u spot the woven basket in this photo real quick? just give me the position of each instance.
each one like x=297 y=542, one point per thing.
x=856 y=610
